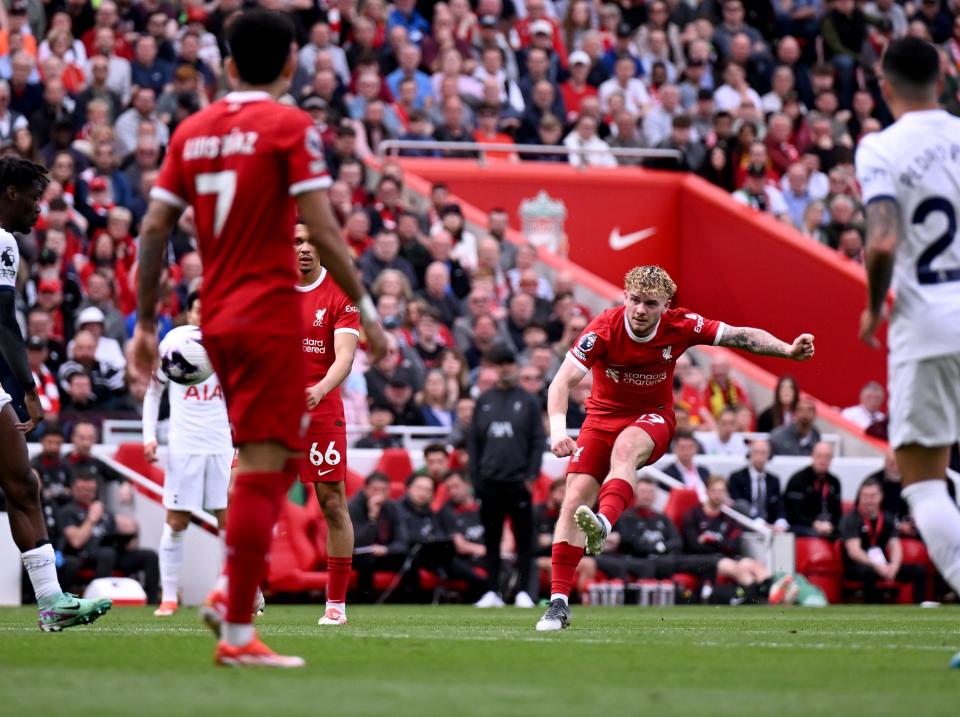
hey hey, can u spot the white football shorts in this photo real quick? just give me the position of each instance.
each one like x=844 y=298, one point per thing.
x=195 y=482
x=925 y=402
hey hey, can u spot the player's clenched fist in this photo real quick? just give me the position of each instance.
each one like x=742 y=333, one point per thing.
x=142 y=352
x=376 y=340
x=802 y=348
x=563 y=447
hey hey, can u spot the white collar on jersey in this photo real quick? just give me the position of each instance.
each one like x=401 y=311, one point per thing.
x=314 y=285
x=633 y=336
x=248 y=96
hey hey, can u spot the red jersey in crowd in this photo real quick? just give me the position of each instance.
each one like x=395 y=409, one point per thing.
x=632 y=374
x=239 y=163
x=327 y=311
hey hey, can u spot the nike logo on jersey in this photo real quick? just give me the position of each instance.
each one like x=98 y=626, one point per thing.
x=619 y=241
x=321 y=474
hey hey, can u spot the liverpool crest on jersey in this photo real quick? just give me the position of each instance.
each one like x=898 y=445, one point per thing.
x=319 y=316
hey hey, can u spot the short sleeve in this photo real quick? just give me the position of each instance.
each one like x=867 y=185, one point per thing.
x=303 y=147
x=700 y=331
x=171 y=185
x=874 y=173
x=348 y=318
x=591 y=346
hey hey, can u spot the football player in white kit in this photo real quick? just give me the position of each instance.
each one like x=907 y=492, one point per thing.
x=22 y=183
x=198 y=469
x=910 y=175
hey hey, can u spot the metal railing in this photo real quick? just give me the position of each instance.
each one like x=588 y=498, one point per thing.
x=392 y=147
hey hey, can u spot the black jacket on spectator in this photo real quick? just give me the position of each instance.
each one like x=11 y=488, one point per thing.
x=741 y=489
x=673 y=470
x=447 y=305
x=55 y=478
x=388 y=529
x=73 y=514
x=462 y=520
x=506 y=440
x=380 y=440
x=422 y=525
x=810 y=497
x=707 y=535
x=646 y=533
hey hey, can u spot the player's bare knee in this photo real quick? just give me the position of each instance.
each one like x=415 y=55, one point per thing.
x=178 y=520
x=23 y=492
x=333 y=504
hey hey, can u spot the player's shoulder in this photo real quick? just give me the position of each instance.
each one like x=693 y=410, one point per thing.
x=681 y=317
x=608 y=319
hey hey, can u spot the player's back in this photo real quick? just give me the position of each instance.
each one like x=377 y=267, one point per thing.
x=239 y=163
x=916 y=161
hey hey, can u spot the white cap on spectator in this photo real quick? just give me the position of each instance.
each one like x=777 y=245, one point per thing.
x=90 y=315
x=579 y=57
x=541 y=26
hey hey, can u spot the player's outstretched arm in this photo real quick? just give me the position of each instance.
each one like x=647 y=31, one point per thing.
x=763 y=343
x=14 y=352
x=883 y=224
x=344 y=350
x=159 y=221
x=558 y=399
x=314 y=208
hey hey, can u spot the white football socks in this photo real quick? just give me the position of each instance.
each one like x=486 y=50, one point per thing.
x=341 y=606
x=938 y=521
x=41 y=565
x=171 y=562
x=236 y=635
x=560 y=596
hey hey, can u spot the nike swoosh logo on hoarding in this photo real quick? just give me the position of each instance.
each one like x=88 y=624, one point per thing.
x=622 y=241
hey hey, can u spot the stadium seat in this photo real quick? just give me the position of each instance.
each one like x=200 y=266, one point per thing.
x=353 y=483
x=395 y=464
x=541 y=489
x=131 y=455
x=293 y=556
x=679 y=502
x=851 y=590
x=817 y=561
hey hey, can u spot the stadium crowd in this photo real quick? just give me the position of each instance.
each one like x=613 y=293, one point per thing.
x=764 y=99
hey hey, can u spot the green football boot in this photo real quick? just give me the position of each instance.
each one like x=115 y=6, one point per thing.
x=68 y=610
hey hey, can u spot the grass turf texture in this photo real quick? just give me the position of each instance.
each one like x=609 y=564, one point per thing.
x=398 y=661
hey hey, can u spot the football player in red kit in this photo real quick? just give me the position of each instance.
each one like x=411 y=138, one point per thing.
x=331 y=325
x=247 y=165
x=631 y=351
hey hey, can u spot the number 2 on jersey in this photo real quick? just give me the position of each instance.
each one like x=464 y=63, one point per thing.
x=926 y=274
x=224 y=185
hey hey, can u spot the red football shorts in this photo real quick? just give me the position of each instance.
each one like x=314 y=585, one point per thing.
x=598 y=434
x=326 y=456
x=262 y=379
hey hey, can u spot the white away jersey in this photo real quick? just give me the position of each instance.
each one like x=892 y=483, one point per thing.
x=916 y=161
x=198 y=416
x=9 y=260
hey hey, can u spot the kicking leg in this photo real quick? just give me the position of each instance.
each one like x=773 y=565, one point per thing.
x=632 y=449
x=171 y=560
x=333 y=502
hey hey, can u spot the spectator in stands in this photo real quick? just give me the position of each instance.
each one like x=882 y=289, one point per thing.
x=381 y=418
x=755 y=491
x=891 y=482
x=520 y=313
x=724 y=441
x=399 y=397
x=436 y=403
x=54 y=470
x=438 y=293
x=108 y=381
x=588 y=150
x=384 y=254
x=796 y=192
x=707 y=530
x=871 y=549
x=441 y=245
x=761 y=195
x=37 y=355
x=692 y=476
x=93 y=538
x=780 y=412
x=423 y=528
x=867 y=412
x=108 y=351
x=801 y=435
x=812 y=497
x=436 y=463
x=722 y=389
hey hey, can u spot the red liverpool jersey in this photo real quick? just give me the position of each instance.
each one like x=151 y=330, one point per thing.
x=326 y=312
x=633 y=374
x=240 y=163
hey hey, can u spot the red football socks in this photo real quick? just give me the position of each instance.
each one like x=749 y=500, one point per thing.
x=254 y=509
x=615 y=495
x=339 y=570
x=564 y=558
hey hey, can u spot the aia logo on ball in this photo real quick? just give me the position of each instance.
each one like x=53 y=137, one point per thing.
x=319 y=316
x=587 y=342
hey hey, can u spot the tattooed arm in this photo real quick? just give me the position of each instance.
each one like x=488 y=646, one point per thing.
x=758 y=341
x=883 y=223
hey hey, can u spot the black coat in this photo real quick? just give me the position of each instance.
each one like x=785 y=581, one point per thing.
x=741 y=488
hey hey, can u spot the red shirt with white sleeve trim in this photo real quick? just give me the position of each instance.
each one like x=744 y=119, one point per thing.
x=327 y=311
x=240 y=163
x=634 y=375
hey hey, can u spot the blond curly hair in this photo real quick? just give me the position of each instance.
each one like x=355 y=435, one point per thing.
x=649 y=280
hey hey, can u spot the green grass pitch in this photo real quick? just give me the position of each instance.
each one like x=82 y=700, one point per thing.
x=458 y=661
